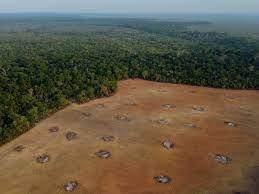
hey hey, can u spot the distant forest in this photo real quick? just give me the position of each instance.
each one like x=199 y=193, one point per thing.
x=48 y=62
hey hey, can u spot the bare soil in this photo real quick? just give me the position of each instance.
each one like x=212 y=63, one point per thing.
x=137 y=154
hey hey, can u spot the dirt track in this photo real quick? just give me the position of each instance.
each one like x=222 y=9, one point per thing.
x=139 y=122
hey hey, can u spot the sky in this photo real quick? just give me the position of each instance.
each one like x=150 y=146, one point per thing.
x=132 y=6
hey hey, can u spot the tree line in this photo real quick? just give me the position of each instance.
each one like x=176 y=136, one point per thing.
x=49 y=65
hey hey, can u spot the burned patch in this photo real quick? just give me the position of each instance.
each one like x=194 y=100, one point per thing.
x=122 y=118
x=53 y=129
x=44 y=158
x=223 y=159
x=198 y=108
x=103 y=154
x=71 y=136
x=163 y=179
x=168 y=144
x=71 y=186
x=190 y=125
x=108 y=138
x=19 y=148
x=230 y=124
x=168 y=106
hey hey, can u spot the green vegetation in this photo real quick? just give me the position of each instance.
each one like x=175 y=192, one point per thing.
x=46 y=63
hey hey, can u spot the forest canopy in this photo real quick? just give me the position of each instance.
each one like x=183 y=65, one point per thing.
x=46 y=62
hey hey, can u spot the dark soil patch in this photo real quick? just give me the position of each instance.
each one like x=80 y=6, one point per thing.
x=71 y=136
x=19 y=148
x=162 y=179
x=108 y=138
x=103 y=154
x=53 y=129
x=71 y=186
x=253 y=174
x=44 y=158
x=222 y=159
x=241 y=192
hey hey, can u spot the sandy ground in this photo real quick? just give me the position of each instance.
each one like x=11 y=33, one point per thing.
x=137 y=151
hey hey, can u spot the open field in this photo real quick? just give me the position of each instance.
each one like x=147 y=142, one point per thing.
x=201 y=122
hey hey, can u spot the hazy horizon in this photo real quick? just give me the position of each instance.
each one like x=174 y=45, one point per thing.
x=131 y=6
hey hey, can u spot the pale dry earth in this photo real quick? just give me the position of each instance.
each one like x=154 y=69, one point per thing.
x=137 y=154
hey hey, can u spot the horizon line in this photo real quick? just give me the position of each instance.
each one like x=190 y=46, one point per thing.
x=126 y=12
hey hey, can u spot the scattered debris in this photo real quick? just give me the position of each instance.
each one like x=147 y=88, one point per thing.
x=86 y=114
x=103 y=154
x=198 y=108
x=162 y=121
x=163 y=179
x=168 y=106
x=190 y=125
x=122 y=118
x=130 y=103
x=231 y=97
x=108 y=138
x=54 y=129
x=222 y=159
x=168 y=144
x=162 y=90
x=71 y=186
x=19 y=148
x=44 y=158
x=100 y=106
x=71 y=135
x=230 y=124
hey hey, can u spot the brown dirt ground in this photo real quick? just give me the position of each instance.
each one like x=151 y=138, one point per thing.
x=137 y=153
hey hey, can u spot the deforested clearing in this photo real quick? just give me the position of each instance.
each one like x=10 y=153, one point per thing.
x=136 y=153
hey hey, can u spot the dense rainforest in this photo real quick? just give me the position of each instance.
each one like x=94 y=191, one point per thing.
x=48 y=62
